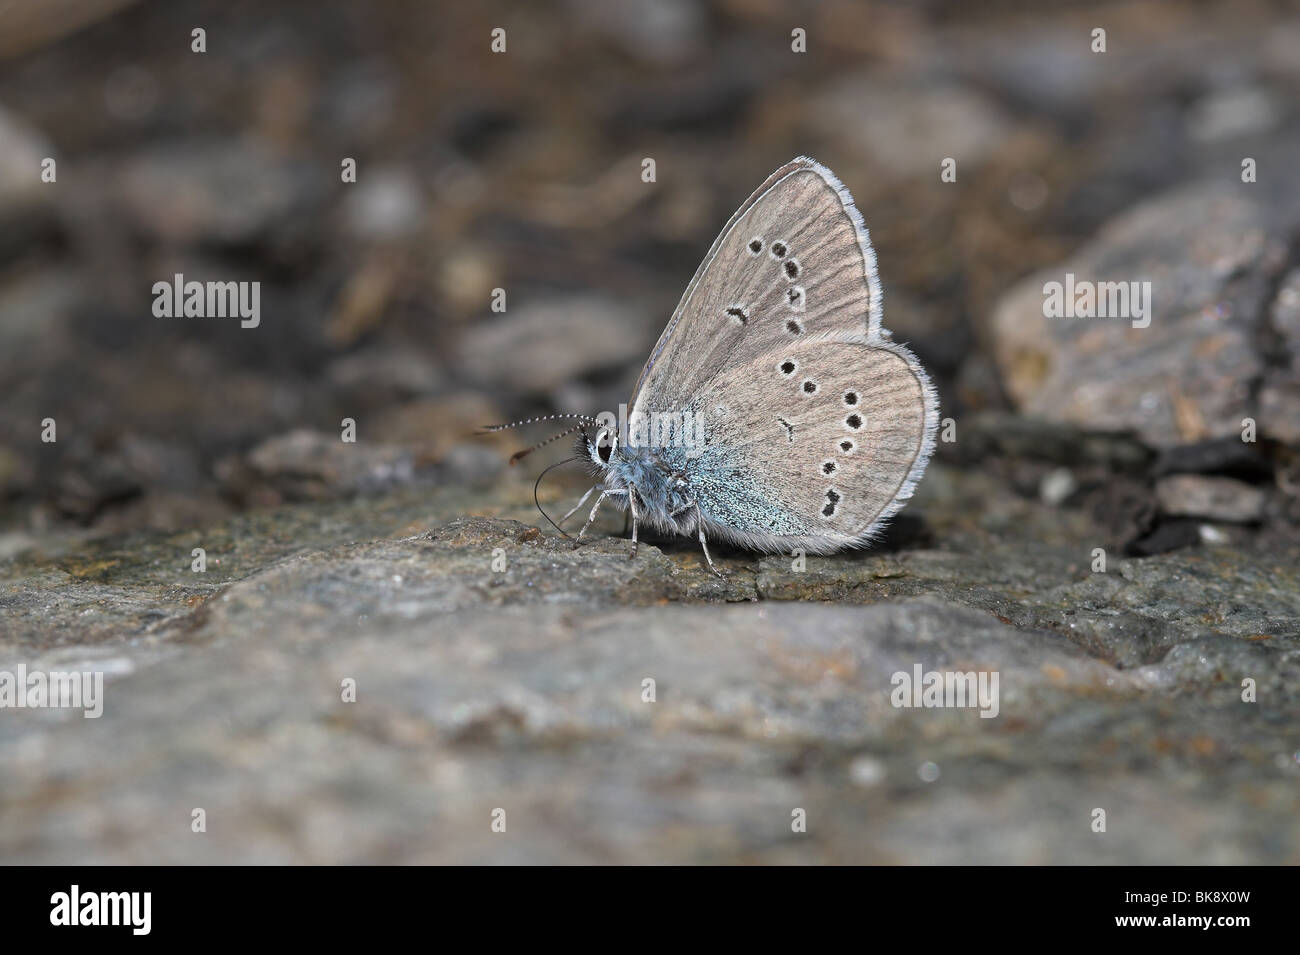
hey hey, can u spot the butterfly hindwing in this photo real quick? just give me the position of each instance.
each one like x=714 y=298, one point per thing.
x=830 y=433
x=794 y=261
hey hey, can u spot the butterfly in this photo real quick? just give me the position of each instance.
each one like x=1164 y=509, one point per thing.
x=775 y=413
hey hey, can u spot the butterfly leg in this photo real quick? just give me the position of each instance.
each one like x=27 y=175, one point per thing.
x=581 y=501
x=608 y=492
x=631 y=500
x=704 y=543
x=707 y=559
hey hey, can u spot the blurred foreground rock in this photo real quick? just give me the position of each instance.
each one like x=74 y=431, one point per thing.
x=521 y=688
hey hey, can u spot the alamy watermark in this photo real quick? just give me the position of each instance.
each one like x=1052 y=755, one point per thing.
x=947 y=689
x=1087 y=299
x=82 y=690
x=656 y=429
x=181 y=299
x=129 y=909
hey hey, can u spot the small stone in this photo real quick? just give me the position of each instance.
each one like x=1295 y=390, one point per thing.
x=386 y=202
x=895 y=123
x=1233 y=113
x=21 y=151
x=1212 y=535
x=311 y=465
x=1217 y=498
x=229 y=191
x=1056 y=486
x=383 y=374
x=537 y=347
x=867 y=771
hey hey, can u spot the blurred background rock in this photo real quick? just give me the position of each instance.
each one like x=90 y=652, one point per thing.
x=522 y=171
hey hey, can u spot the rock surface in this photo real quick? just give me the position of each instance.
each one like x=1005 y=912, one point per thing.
x=522 y=689
x=1186 y=365
x=1220 y=498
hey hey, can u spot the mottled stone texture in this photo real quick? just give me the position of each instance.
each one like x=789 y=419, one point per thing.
x=1213 y=258
x=522 y=689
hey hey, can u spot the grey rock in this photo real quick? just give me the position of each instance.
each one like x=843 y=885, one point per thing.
x=36 y=328
x=1279 y=398
x=1187 y=376
x=909 y=129
x=1279 y=409
x=28 y=211
x=499 y=666
x=1237 y=111
x=539 y=347
x=665 y=33
x=385 y=203
x=472 y=464
x=394 y=372
x=1286 y=312
x=21 y=151
x=306 y=464
x=1218 y=498
x=1057 y=485
x=228 y=191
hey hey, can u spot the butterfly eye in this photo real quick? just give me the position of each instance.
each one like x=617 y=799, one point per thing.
x=605 y=442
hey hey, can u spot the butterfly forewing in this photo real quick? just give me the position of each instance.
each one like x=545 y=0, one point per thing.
x=793 y=262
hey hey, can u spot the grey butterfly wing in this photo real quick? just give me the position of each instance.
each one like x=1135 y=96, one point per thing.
x=814 y=444
x=795 y=260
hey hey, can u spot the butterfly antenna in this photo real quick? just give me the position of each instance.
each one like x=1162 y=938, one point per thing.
x=489 y=428
x=539 y=484
x=583 y=421
x=514 y=458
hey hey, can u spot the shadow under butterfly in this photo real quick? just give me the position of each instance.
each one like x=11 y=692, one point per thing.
x=774 y=413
